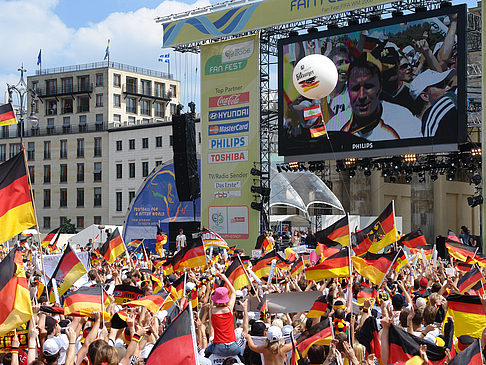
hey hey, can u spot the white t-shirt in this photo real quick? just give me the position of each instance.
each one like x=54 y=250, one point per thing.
x=181 y=241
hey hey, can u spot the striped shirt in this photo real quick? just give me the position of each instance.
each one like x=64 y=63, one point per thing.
x=440 y=120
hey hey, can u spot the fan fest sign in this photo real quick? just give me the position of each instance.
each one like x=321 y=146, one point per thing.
x=230 y=138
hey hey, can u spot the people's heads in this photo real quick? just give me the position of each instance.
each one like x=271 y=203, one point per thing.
x=424 y=283
x=429 y=315
x=364 y=85
x=274 y=339
x=316 y=354
x=93 y=348
x=430 y=85
x=106 y=355
x=398 y=302
x=418 y=317
x=434 y=299
x=220 y=297
x=403 y=317
x=404 y=70
x=181 y=231
x=435 y=288
x=341 y=58
x=51 y=350
x=257 y=328
x=389 y=59
x=464 y=229
x=51 y=326
x=420 y=303
x=92 y=274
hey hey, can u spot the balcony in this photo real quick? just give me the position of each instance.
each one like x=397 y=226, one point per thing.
x=82 y=88
x=144 y=92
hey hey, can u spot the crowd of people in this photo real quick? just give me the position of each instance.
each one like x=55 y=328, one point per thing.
x=231 y=329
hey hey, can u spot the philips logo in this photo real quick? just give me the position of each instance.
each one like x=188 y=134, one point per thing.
x=228 y=128
x=226 y=114
x=238 y=51
x=230 y=142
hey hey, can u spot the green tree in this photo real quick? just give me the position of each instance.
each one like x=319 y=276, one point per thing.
x=68 y=227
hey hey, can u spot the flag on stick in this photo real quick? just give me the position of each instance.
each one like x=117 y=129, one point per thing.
x=113 y=247
x=7 y=115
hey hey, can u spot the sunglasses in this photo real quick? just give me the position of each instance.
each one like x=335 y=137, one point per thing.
x=405 y=66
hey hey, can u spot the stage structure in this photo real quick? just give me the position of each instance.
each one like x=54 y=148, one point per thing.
x=275 y=20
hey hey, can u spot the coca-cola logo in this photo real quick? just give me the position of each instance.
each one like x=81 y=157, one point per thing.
x=229 y=100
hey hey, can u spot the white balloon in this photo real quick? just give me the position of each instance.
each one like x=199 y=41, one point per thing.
x=315 y=76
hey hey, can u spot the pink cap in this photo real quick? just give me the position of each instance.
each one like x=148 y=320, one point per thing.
x=220 y=295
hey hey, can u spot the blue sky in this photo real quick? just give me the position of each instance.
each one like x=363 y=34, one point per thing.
x=73 y=32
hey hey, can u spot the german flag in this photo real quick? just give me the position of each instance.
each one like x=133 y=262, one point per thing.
x=194 y=298
x=471 y=355
x=428 y=251
x=413 y=239
x=156 y=283
x=319 y=334
x=177 y=341
x=469 y=280
x=318 y=131
x=403 y=346
x=16 y=210
x=212 y=239
x=263 y=305
x=335 y=266
x=47 y=239
x=267 y=244
x=236 y=274
x=134 y=244
x=338 y=232
x=85 y=301
x=400 y=261
x=119 y=320
x=190 y=256
x=463 y=266
x=461 y=252
x=7 y=115
x=297 y=267
x=15 y=306
x=365 y=293
x=262 y=267
x=166 y=266
x=153 y=302
x=231 y=250
x=179 y=287
x=160 y=241
x=369 y=338
x=319 y=308
x=326 y=247
x=374 y=266
x=377 y=235
x=468 y=313
x=68 y=270
x=113 y=247
x=126 y=293
x=52 y=247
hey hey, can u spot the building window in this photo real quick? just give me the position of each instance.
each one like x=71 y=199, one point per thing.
x=79 y=222
x=131 y=105
x=173 y=109
x=5 y=132
x=97 y=147
x=47 y=174
x=3 y=152
x=131 y=120
x=146 y=86
x=171 y=140
x=47 y=150
x=116 y=80
x=47 y=222
x=159 y=89
x=51 y=107
x=51 y=87
x=158 y=163
x=97 y=197
x=67 y=106
x=97 y=219
x=173 y=91
x=63 y=149
x=63 y=198
x=119 y=170
x=63 y=173
x=117 y=120
x=14 y=148
x=83 y=104
x=31 y=151
x=131 y=196
x=82 y=124
x=145 y=143
x=119 y=201
x=80 y=148
x=158 y=141
x=116 y=100
x=83 y=83
x=145 y=107
x=50 y=126
x=47 y=198
x=99 y=100
x=159 y=110
x=99 y=122
x=131 y=85
x=32 y=174
x=131 y=169
x=131 y=144
x=80 y=172
x=145 y=169
x=80 y=197
x=119 y=145
x=66 y=125
x=67 y=85
x=97 y=171
x=99 y=79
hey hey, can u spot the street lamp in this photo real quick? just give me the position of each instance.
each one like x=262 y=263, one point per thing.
x=22 y=90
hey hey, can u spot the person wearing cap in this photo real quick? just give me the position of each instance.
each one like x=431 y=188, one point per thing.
x=369 y=117
x=275 y=350
x=338 y=100
x=221 y=318
x=423 y=290
x=434 y=94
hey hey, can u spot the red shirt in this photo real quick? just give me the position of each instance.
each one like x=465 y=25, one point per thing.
x=224 y=329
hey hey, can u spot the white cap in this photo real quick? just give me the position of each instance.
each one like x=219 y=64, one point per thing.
x=190 y=285
x=287 y=329
x=437 y=47
x=161 y=315
x=408 y=51
x=274 y=334
x=239 y=293
x=421 y=302
x=426 y=79
x=252 y=315
x=51 y=347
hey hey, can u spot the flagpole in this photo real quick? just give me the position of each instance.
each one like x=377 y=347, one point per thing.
x=125 y=246
x=394 y=223
x=193 y=335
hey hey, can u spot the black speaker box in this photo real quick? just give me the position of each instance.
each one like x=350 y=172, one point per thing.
x=185 y=160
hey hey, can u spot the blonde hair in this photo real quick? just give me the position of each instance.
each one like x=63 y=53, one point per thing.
x=107 y=354
x=433 y=299
x=274 y=347
x=359 y=351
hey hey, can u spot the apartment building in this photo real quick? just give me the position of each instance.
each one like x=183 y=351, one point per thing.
x=69 y=150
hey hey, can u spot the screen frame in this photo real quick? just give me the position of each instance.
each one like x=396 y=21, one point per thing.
x=307 y=152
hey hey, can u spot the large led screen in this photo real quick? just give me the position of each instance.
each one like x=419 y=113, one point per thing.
x=401 y=88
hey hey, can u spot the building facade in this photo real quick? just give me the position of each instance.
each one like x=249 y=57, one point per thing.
x=91 y=119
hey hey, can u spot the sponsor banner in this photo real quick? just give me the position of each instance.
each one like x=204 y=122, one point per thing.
x=231 y=134
x=230 y=142
x=293 y=302
x=225 y=114
x=229 y=100
x=225 y=157
x=228 y=128
x=250 y=17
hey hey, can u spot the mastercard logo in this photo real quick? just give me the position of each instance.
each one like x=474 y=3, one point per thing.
x=214 y=129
